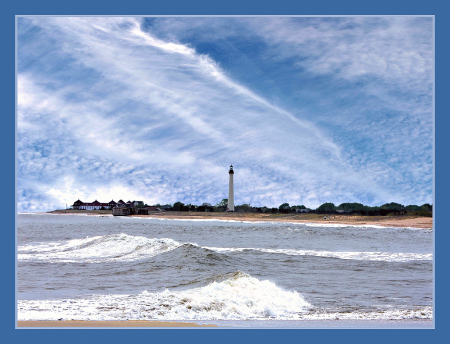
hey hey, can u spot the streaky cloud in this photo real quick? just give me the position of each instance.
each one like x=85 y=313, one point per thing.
x=110 y=108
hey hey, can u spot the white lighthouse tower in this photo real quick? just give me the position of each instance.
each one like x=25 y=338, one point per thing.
x=231 y=191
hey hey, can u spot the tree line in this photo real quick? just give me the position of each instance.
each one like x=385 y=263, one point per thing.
x=326 y=208
x=383 y=210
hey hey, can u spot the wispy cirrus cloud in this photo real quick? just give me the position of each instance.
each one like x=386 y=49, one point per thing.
x=158 y=109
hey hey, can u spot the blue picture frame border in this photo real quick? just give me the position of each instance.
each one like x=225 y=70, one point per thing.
x=232 y=7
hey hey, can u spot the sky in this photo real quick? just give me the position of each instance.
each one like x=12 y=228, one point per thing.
x=308 y=110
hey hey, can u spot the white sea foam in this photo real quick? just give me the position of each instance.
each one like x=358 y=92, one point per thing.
x=374 y=256
x=99 y=249
x=240 y=297
x=382 y=314
x=203 y=220
x=342 y=225
x=237 y=298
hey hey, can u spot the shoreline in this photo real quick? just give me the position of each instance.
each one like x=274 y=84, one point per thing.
x=404 y=221
x=107 y=323
x=256 y=324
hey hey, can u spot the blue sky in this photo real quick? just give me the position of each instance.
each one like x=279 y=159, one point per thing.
x=308 y=110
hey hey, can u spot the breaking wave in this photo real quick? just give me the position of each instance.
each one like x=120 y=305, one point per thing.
x=99 y=249
x=374 y=256
x=238 y=297
x=123 y=247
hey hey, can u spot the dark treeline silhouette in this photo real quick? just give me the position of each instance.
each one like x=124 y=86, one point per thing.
x=387 y=209
x=383 y=210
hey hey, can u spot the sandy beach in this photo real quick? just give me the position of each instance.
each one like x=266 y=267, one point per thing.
x=355 y=220
x=414 y=222
x=316 y=324
x=128 y=323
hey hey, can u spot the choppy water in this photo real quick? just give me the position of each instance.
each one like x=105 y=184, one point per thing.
x=118 y=268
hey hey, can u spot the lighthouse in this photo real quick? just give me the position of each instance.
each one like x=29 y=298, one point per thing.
x=231 y=190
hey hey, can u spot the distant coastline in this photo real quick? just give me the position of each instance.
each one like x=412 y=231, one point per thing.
x=412 y=221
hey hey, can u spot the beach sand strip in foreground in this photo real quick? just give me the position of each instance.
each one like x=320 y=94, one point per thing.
x=128 y=323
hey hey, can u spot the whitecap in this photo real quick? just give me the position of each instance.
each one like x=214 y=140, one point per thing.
x=236 y=298
x=98 y=249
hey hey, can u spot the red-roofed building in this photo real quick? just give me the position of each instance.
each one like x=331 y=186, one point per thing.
x=96 y=205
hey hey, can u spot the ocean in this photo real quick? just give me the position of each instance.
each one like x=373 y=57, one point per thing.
x=230 y=273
